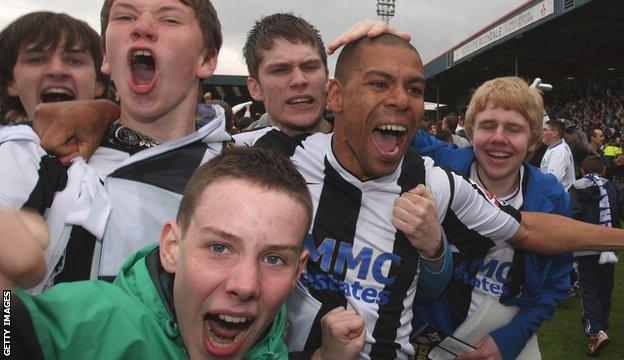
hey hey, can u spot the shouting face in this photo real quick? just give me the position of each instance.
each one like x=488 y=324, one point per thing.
x=234 y=265
x=377 y=110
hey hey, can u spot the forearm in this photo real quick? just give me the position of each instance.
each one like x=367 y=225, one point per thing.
x=23 y=238
x=553 y=234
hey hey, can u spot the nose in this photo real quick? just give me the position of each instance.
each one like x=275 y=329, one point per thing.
x=243 y=281
x=144 y=28
x=398 y=98
x=499 y=135
x=298 y=78
x=57 y=67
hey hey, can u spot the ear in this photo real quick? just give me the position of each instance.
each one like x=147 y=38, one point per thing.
x=12 y=89
x=170 y=239
x=208 y=65
x=254 y=88
x=532 y=146
x=105 y=66
x=303 y=260
x=334 y=96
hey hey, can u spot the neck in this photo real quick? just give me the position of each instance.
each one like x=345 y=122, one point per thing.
x=173 y=125
x=346 y=156
x=500 y=188
x=321 y=126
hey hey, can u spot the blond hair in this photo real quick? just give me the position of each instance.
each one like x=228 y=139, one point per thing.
x=509 y=93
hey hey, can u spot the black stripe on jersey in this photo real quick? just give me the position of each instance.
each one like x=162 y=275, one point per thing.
x=170 y=170
x=281 y=142
x=52 y=178
x=336 y=218
x=385 y=331
x=459 y=294
x=516 y=276
x=467 y=241
x=78 y=256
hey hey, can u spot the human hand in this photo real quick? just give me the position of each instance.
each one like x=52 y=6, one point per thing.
x=23 y=239
x=370 y=28
x=343 y=335
x=74 y=128
x=619 y=161
x=486 y=350
x=415 y=215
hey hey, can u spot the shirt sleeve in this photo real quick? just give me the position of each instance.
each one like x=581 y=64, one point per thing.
x=29 y=177
x=473 y=219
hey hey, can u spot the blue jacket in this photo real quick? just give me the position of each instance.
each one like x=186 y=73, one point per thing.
x=547 y=278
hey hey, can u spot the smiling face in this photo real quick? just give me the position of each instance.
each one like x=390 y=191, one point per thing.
x=58 y=74
x=155 y=54
x=291 y=83
x=501 y=140
x=378 y=109
x=236 y=263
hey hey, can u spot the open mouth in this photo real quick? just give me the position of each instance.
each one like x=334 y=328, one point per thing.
x=56 y=94
x=143 y=67
x=499 y=155
x=388 y=138
x=304 y=100
x=225 y=333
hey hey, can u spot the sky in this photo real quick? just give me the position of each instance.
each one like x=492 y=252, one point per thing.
x=435 y=25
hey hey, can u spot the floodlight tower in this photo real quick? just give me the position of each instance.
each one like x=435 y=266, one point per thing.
x=385 y=10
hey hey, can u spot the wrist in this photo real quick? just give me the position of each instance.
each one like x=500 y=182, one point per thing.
x=435 y=252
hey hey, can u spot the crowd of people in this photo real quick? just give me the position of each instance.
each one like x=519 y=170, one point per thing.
x=309 y=236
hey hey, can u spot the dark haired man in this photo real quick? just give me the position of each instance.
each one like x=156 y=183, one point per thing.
x=287 y=67
x=46 y=57
x=558 y=158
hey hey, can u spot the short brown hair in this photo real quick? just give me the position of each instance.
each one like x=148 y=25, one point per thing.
x=266 y=168
x=44 y=31
x=510 y=93
x=206 y=16
x=288 y=27
x=593 y=164
x=557 y=126
x=349 y=54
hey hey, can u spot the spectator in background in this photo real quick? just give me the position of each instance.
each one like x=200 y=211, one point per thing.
x=444 y=135
x=596 y=139
x=449 y=123
x=558 y=158
x=596 y=200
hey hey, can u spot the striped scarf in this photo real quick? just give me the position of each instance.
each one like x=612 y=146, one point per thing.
x=604 y=217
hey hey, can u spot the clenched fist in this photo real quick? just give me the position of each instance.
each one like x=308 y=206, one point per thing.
x=415 y=215
x=343 y=335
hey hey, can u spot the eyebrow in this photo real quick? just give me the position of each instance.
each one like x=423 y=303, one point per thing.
x=385 y=75
x=231 y=237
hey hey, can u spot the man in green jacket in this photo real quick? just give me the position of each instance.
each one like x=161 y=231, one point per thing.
x=213 y=288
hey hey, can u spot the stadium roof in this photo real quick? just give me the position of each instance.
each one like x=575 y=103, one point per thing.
x=551 y=39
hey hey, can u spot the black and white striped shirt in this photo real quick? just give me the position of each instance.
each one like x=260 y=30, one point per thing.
x=358 y=258
x=103 y=211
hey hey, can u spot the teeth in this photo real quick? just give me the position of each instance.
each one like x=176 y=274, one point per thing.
x=58 y=91
x=300 y=100
x=142 y=53
x=498 y=154
x=233 y=319
x=392 y=128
